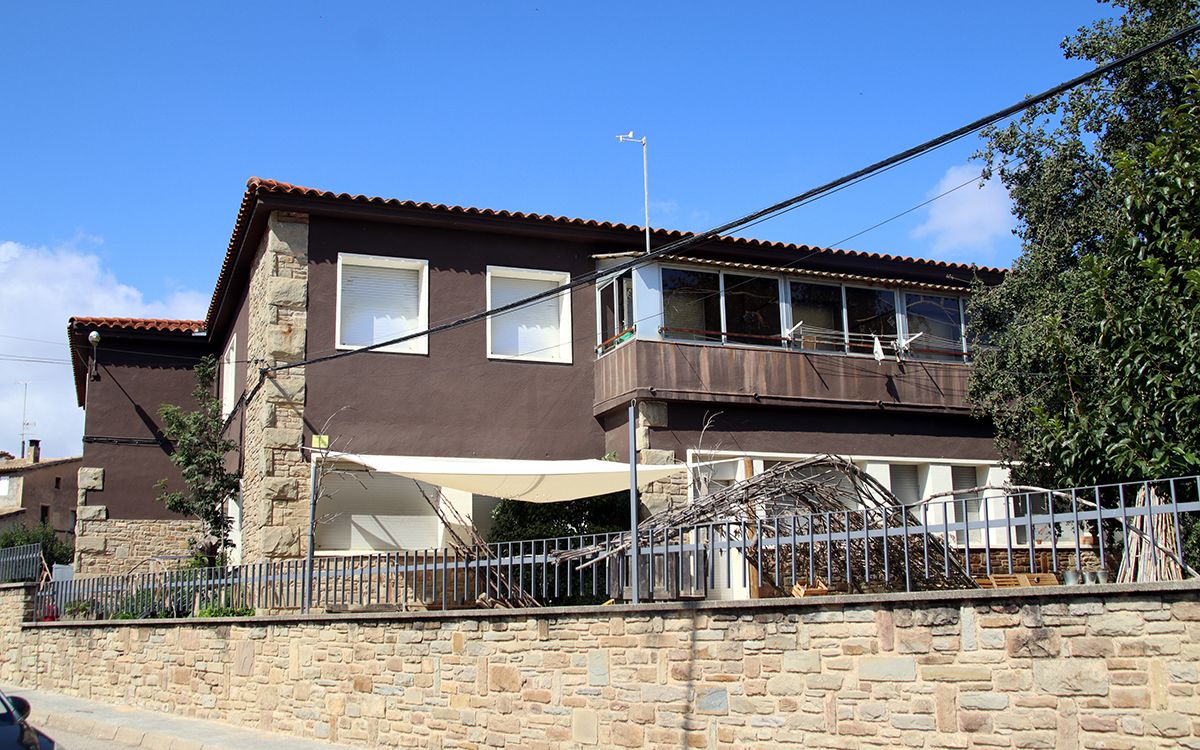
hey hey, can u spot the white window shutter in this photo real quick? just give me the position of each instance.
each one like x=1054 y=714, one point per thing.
x=379 y=303
x=905 y=484
x=533 y=331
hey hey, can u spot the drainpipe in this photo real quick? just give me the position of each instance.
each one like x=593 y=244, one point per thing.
x=635 y=572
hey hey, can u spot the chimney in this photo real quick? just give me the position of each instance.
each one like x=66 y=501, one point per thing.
x=35 y=451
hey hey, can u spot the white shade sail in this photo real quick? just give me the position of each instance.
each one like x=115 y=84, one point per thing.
x=531 y=481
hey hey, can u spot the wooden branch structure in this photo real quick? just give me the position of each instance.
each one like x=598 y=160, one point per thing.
x=835 y=499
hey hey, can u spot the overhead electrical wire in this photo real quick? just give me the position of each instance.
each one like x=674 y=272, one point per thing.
x=771 y=210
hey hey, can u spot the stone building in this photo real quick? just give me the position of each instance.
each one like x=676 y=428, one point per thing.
x=734 y=349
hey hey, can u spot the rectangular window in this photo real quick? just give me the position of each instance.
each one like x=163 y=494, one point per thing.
x=380 y=299
x=870 y=313
x=752 y=310
x=691 y=304
x=58 y=483
x=817 y=317
x=228 y=377
x=538 y=332
x=615 y=301
x=938 y=321
x=906 y=485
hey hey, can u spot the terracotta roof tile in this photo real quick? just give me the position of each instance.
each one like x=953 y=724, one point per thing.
x=256 y=185
x=152 y=325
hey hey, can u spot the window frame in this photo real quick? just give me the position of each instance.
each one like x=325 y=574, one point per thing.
x=781 y=284
x=229 y=377
x=419 y=346
x=565 y=333
x=611 y=284
x=963 y=355
x=790 y=318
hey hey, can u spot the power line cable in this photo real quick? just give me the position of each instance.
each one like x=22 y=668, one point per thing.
x=773 y=209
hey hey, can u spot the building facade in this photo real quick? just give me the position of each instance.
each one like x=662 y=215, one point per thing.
x=735 y=349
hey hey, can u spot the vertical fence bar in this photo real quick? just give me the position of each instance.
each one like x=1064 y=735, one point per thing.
x=1078 y=535
x=887 y=558
x=846 y=523
x=965 y=521
x=946 y=537
x=1008 y=530
x=1053 y=532
x=987 y=535
x=925 y=537
x=1178 y=534
x=866 y=530
x=1150 y=526
x=907 y=566
x=1100 y=526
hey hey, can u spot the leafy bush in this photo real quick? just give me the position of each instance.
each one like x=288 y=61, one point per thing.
x=54 y=548
x=226 y=612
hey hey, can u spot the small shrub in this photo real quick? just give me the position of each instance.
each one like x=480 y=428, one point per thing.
x=54 y=549
x=226 y=612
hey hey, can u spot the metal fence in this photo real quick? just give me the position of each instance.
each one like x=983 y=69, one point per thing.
x=22 y=563
x=1120 y=532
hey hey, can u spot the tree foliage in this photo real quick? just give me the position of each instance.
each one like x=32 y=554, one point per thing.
x=200 y=450
x=513 y=520
x=54 y=548
x=1086 y=350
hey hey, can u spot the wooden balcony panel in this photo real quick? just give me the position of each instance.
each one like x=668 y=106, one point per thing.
x=697 y=372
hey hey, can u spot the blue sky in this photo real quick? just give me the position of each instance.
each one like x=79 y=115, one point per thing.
x=130 y=130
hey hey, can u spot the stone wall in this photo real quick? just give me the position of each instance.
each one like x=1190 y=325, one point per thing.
x=275 y=477
x=1084 y=667
x=110 y=546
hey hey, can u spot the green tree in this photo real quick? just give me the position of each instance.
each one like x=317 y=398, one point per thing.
x=54 y=549
x=200 y=453
x=513 y=520
x=1069 y=165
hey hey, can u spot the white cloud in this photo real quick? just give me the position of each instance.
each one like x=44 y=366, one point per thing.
x=40 y=288
x=966 y=223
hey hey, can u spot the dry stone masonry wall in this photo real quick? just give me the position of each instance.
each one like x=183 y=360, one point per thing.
x=1055 y=669
x=275 y=475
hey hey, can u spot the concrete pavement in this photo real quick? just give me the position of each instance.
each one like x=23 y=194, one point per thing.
x=133 y=727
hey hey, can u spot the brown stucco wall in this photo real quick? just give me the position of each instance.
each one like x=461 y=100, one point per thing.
x=455 y=401
x=136 y=377
x=804 y=430
x=38 y=489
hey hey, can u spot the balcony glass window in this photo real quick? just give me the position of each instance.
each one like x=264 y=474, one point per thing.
x=691 y=304
x=616 y=311
x=870 y=313
x=937 y=319
x=752 y=310
x=817 y=310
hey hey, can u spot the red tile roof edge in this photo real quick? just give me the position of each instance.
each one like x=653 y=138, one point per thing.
x=153 y=325
x=256 y=185
x=78 y=326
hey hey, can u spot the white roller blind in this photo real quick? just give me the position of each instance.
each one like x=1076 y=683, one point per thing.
x=905 y=485
x=534 y=330
x=967 y=507
x=379 y=303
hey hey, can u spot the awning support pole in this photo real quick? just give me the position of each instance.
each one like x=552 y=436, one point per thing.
x=313 y=476
x=635 y=570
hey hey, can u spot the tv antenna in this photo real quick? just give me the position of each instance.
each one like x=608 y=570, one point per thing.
x=26 y=425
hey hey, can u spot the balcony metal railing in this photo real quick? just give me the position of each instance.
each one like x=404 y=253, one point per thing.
x=1121 y=532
